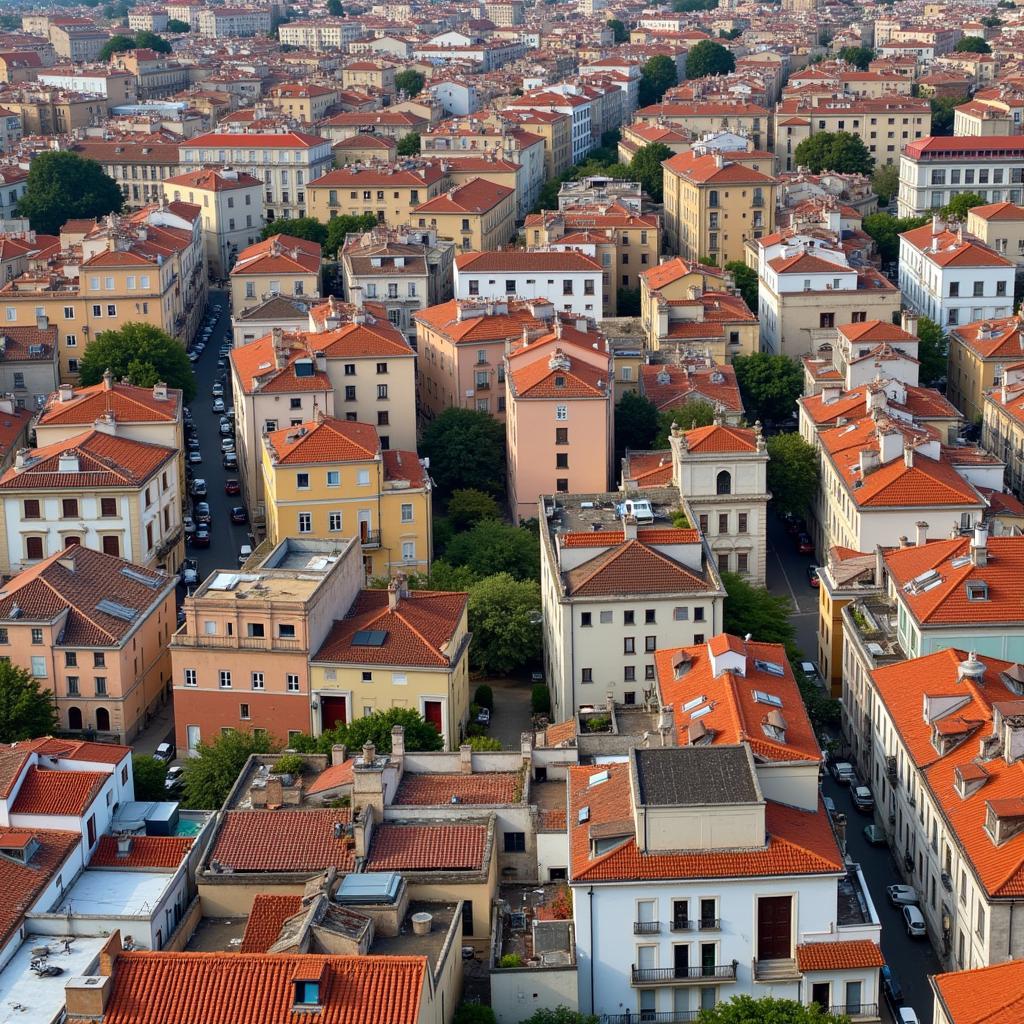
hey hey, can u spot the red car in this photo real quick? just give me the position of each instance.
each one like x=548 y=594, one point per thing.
x=201 y=538
x=232 y=487
x=804 y=544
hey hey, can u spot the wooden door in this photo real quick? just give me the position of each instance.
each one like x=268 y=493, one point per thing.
x=774 y=928
x=432 y=714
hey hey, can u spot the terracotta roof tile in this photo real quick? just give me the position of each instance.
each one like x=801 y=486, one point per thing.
x=998 y=338
x=447 y=847
x=476 y=196
x=146 y=852
x=633 y=568
x=478 y=788
x=838 y=956
x=649 y=469
x=327 y=440
x=281 y=840
x=720 y=439
x=952 y=249
x=127 y=403
x=257 y=369
x=445 y=319
x=667 y=386
x=62 y=793
x=22 y=884
x=672 y=270
x=539 y=379
x=269 y=911
x=332 y=777
x=984 y=995
x=279 y=254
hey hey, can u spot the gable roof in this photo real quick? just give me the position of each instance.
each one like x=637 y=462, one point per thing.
x=636 y=568
x=59 y=793
x=281 y=840
x=165 y=852
x=667 y=386
x=442 y=847
x=257 y=368
x=719 y=438
x=324 y=440
x=983 y=995
x=125 y=402
x=476 y=196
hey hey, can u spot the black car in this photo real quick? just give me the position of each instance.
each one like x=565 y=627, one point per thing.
x=201 y=513
x=891 y=986
x=230 y=461
x=239 y=515
x=201 y=538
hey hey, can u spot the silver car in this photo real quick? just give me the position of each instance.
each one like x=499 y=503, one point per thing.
x=914 y=921
x=902 y=895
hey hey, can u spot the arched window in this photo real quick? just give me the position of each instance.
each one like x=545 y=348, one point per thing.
x=74 y=718
x=102 y=720
x=723 y=482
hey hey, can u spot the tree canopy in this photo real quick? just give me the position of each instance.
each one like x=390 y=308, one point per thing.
x=376 y=729
x=886 y=182
x=769 y=385
x=141 y=40
x=754 y=610
x=886 y=230
x=209 y=776
x=409 y=144
x=694 y=413
x=492 y=546
x=346 y=224
x=646 y=168
x=177 y=25
x=504 y=618
x=659 y=75
x=300 y=227
x=142 y=353
x=466 y=448
x=64 y=186
x=468 y=506
x=859 y=56
x=972 y=44
x=688 y=6
x=636 y=423
x=746 y=280
x=26 y=710
x=619 y=31
x=767 y=1010
x=834 y=151
x=792 y=473
x=709 y=58
x=410 y=82
x=944 y=113
x=149 y=775
x=335 y=8
x=560 y=1015
x=959 y=205
x=932 y=351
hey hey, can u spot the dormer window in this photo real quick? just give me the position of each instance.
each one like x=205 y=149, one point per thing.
x=977 y=590
x=307 y=994
x=559 y=382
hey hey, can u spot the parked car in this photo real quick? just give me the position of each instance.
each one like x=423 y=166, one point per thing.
x=244 y=553
x=890 y=984
x=874 y=835
x=812 y=576
x=227 y=444
x=218 y=405
x=222 y=362
x=218 y=390
x=230 y=461
x=810 y=670
x=863 y=800
x=843 y=773
x=188 y=524
x=164 y=752
x=192 y=443
x=225 y=427
x=190 y=572
x=908 y=1016
x=901 y=895
x=195 y=456
x=175 y=778
x=804 y=544
x=913 y=920
x=230 y=413
x=793 y=525
x=193 y=356
x=830 y=805
x=232 y=487
x=239 y=515
x=483 y=716
x=201 y=538
x=198 y=488
x=202 y=514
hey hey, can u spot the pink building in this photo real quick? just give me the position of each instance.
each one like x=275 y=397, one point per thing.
x=559 y=398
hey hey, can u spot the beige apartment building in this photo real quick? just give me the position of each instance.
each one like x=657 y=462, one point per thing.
x=1001 y=227
x=279 y=265
x=702 y=117
x=93 y=629
x=979 y=355
x=77 y=40
x=305 y=103
x=553 y=127
x=478 y=216
x=715 y=202
x=48 y=111
x=391 y=194
x=1002 y=429
x=364 y=75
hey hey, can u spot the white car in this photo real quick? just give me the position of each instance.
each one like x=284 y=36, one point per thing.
x=193 y=356
x=810 y=670
x=908 y=1016
x=844 y=773
x=218 y=405
x=244 y=553
x=913 y=919
x=227 y=444
x=195 y=455
x=188 y=524
x=902 y=895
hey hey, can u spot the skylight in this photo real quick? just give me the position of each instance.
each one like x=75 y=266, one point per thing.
x=771 y=667
x=598 y=778
x=767 y=698
x=584 y=815
x=700 y=712
x=694 y=703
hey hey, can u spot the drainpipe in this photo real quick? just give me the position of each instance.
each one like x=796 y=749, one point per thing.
x=590 y=893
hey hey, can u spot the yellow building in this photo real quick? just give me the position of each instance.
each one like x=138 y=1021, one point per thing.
x=369 y=74
x=554 y=128
x=715 y=201
x=389 y=193
x=330 y=479
x=478 y=216
x=1001 y=226
x=978 y=355
x=306 y=103
x=279 y=265
x=1002 y=430
x=396 y=648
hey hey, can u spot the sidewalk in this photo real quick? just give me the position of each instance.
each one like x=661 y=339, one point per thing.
x=160 y=728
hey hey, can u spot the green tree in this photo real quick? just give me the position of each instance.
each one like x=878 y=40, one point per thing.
x=943 y=113
x=659 y=75
x=859 y=56
x=646 y=168
x=688 y=6
x=10 y=21
x=177 y=25
x=474 y=1013
x=466 y=448
x=560 y=1015
x=746 y=280
x=886 y=230
x=335 y=9
x=769 y=385
x=376 y=729
x=768 y=1010
x=492 y=547
x=347 y=224
x=627 y=302
x=142 y=353
x=972 y=44
x=932 y=351
x=64 y=186
x=116 y=44
x=694 y=413
x=834 y=151
x=619 y=31
x=792 y=473
x=26 y=711
x=308 y=228
x=709 y=58
x=636 y=423
x=409 y=144
x=958 y=206
x=149 y=775
x=151 y=41
x=411 y=83
x=468 y=506
x=886 y=182
x=733 y=33
x=209 y=776
x=445 y=576
x=484 y=743
x=504 y=618
x=754 y=610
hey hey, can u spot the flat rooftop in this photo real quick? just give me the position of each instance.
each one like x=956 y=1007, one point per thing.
x=408 y=943
x=596 y=512
x=695 y=776
x=118 y=893
x=25 y=998
x=217 y=935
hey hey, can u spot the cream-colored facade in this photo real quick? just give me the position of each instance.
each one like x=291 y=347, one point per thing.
x=279 y=265
x=477 y=216
x=1000 y=226
x=367 y=74
x=305 y=103
x=390 y=194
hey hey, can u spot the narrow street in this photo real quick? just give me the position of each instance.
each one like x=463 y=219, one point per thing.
x=786 y=574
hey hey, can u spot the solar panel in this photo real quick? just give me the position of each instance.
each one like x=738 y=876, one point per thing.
x=369 y=637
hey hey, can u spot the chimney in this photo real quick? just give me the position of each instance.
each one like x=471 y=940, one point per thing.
x=904 y=541
x=109 y=954
x=339 y=754
x=275 y=792
x=357 y=297
x=108 y=379
x=66 y=392
x=908 y=456
x=869 y=461
x=979 y=546
x=124 y=846
x=908 y=321
x=321 y=361
x=369 y=753
x=394 y=595
x=160 y=391
x=629 y=527
x=397 y=744
x=466 y=759
x=922 y=533
x=526 y=747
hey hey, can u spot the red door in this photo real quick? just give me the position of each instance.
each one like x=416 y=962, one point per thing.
x=432 y=714
x=333 y=712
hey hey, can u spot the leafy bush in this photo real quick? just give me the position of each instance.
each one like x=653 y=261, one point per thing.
x=540 y=699
x=289 y=764
x=484 y=743
x=484 y=696
x=511 y=960
x=474 y=1013
x=598 y=723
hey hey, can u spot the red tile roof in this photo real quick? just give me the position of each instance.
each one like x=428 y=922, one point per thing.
x=667 y=386
x=269 y=911
x=255 y=988
x=332 y=777
x=257 y=369
x=327 y=440
x=22 y=884
x=279 y=254
x=146 y=852
x=445 y=319
x=706 y=168
x=633 y=568
x=419 y=630
x=280 y=840
x=648 y=469
x=61 y=793
x=998 y=338
x=374 y=337
x=213 y=179
x=447 y=847
x=838 y=956
x=948 y=249
x=717 y=438
x=540 y=379
x=425 y=172
x=478 y=788
x=127 y=404
x=254 y=140
x=984 y=995
x=476 y=196
x=674 y=269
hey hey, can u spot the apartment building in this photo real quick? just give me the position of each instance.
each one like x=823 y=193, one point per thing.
x=808 y=285
x=700 y=117
x=77 y=41
x=577 y=108
x=96 y=488
x=403 y=271
x=365 y=149
x=607 y=586
x=554 y=127
x=979 y=355
x=270 y=618
x=394 y=124
x=94 y=630
x=29 y=369
x=952 y=279
x=224 y=22
x=369 y=76
x=279 y=265
x=1002 y=427
x=329 y=479
x=558 y=386
x=115 y=86
x=420 y=662
x=1001 y=227
x=304 y=103
x=391 y=193
x=44 y=111
x=669 y=385
x=138 y=162
x=285 y=161
x=478 y=216
x=715 y=202
x=934 y=169
x=322 y=34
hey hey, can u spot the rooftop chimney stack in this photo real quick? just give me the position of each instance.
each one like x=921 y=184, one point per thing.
x=979 y=546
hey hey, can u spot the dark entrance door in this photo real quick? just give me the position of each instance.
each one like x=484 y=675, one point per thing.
x=820 y=993
x=681 y=961
x=774 y=928
x=333 y=712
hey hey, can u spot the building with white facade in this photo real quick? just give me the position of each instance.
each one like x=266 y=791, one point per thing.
x=221 y=22
x=951 y=278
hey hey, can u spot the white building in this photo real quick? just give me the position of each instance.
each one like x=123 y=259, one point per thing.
x=323 y=34
x=456 y=98
x=221 y=22
x=577 y=107
x=952 y=278
x=571 y=281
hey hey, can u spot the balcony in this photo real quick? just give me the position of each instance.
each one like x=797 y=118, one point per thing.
x=485 y=386
x=856 y=1011
x=652 y=1017
x=370 y=539
x=646 y=927
x=699 y=975
x=237 y=643
x=683 y=924
x=709 y=924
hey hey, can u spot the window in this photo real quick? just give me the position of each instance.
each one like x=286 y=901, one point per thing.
x=826 y=319
x=561 y=412
x=515 y=842
x=243 y=712
x=742 y=562
x=333 y=478
x=39 y=667
x=1000 y=287
x=108 y=508
x=680 y=614
x=585 y=618
x=567 y=287
x=954 y=289
x=363 y=478
x=606 y=618
x=4 y=639
x=698 y=615
x=628 y=618
x=561 y=435
x=629 y=645
x=34 y=547
x=225 y=679
x=382 y=391
x=302 y=481
x=741 y=524
x=629 y=674
x=31 y=508
x=101 y=686
x=586 y=675
x=190 y=677
x=650 y=644
x=37 y=636
x=408 y=551
x=723 y=522
x=292 y=682
x=90 y=826
x=979 y=288
x=407 y=512
x=305 y=522
x=561 y=460
x=72 y=686
x=334 y=521
x=350 y=393
x=723 y=482
x=69 y=508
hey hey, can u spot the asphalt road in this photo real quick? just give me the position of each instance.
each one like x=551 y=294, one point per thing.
x=226 y=538
x=786 y=574
x=911 y=960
